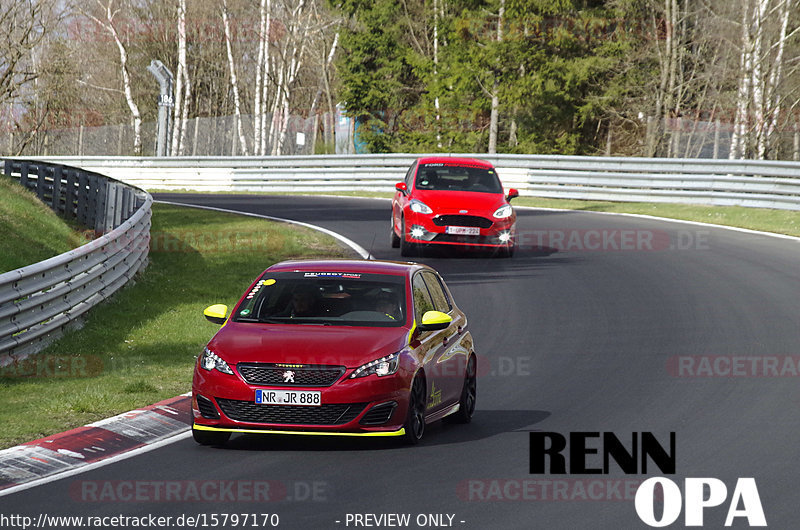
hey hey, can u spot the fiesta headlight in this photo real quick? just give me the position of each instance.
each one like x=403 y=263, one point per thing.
x=380 y=367
x=503 y=212
x=210 y=361
x=420 y=207
x=417 y=232
x=504 y=237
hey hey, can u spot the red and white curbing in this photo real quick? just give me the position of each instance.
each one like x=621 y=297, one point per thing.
x=90 y=444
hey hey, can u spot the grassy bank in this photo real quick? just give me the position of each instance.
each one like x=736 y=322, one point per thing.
x=140 y=347
x=30 y=230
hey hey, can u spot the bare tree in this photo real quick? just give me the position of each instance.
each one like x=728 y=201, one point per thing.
x=495 y=108
x=182 y=87
x=262 y=72
x=765 y=34
x=109 y=12
x=25 y=24
x=237 y=106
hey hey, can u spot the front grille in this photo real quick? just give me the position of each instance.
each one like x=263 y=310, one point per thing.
x=330 y=414
x=379 y=414
x=472 y=240
x=274 y=374
x=462 y=220
x=206 y=408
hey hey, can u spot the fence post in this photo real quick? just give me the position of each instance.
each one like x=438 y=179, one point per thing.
x=70 y=208
x=194 y=141
x=796 y=154
x=55 y=203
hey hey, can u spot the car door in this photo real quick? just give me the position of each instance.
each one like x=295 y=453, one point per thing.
x=430 y=348
x=451 y=356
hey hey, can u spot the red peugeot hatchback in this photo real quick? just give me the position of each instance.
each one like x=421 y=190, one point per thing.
x=336 y=347
x=453 y=201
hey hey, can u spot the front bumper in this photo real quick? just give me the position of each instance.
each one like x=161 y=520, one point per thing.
x=426 y=229
x=375 y=406
x=242 y=430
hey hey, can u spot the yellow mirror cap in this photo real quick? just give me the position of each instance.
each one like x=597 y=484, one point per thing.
x=216 y=310
x=436 y=317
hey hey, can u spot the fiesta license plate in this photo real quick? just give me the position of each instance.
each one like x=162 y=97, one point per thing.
x=305 y=398
x=463 y=230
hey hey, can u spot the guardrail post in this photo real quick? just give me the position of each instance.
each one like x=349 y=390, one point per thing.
x=102 y=205
x=70 y=206
x=23 y=175
x=55 y=202
x=83 y=198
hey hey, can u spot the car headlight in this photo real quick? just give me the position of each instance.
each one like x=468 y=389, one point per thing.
x=210 y=360
x=503 y=212
x=420 y=207
x=380 y=367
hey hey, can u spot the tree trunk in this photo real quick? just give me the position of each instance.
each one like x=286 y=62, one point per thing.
x=237 y=107
x=494 y=118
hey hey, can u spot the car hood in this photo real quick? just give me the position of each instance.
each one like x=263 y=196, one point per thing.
x=306 y=344
x=453 y=202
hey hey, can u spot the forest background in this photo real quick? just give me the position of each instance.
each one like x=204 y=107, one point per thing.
x=669 y=78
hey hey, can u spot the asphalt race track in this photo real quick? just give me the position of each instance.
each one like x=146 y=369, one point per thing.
x=599 y=323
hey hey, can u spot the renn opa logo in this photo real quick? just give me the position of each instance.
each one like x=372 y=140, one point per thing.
x=547 y=456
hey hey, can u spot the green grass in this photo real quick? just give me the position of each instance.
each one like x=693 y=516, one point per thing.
x=30 y=230
x=139 y=347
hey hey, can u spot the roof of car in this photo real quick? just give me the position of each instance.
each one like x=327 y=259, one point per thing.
x=349 y=265
x=455 y=161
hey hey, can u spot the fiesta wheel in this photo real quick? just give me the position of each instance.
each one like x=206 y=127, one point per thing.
x=406 y=247
x=395 y=240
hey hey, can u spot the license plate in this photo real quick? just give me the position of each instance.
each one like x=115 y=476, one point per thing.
x=304 y=398
x=463 y=230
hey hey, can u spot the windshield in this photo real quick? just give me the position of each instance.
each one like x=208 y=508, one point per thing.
x=330 y=298
x=457 y=178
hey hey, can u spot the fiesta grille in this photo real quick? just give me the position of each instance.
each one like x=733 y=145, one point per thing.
x=330 y=414
x=276 y=375
x=206 y=408
x=462 y=220
x=379 y=414
x=472 y=240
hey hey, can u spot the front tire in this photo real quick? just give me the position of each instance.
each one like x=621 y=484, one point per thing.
x=406 y=248
x=466 y=405
x=394 y=239
x=415 y=419
x=210 y=437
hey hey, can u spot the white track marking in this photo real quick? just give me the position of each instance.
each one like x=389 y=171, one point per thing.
x=349 y=242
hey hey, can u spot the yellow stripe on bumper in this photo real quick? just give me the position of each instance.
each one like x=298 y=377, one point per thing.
x=401 y=432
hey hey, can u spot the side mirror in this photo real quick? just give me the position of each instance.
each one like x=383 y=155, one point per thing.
x=512 y=193
x=216 y=313
x=401 y=186
x=434 y=320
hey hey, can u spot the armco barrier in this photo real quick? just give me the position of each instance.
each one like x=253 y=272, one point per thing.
x=37 y=301
x=765 y=184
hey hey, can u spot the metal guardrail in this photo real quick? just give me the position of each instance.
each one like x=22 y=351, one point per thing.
x=765 y=184
x=38 y=301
